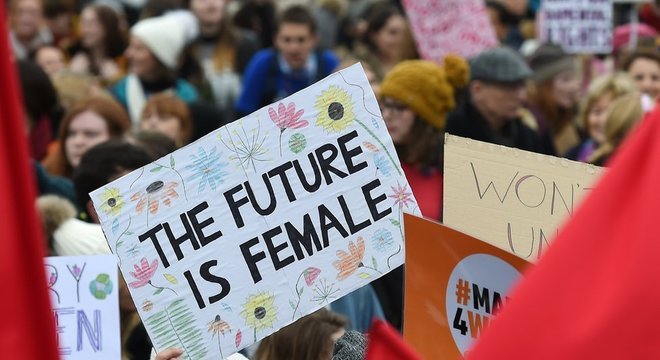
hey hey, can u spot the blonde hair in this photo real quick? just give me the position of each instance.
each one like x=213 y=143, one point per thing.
x=624 y=113
x=616 y=84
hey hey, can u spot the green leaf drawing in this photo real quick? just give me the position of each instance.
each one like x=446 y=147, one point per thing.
x=158 y=291
x=156 y=169
x=374 y=262
x=120 y=243
x=291 y=303
x=364 y=276
x=395 y=222
x=129 y=233
x=175 y=327
x=171 y=278
x=171 y=160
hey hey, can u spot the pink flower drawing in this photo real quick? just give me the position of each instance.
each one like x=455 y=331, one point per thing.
x=401 y=196
x=143 y=273
x=287 y=118
x=310 y=274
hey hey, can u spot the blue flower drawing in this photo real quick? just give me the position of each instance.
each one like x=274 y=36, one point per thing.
x=382 y=164
x=208 y=168
x=382 y=240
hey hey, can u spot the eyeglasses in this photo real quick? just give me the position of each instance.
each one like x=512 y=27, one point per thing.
x=393 y=107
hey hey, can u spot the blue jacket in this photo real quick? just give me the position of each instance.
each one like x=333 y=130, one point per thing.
x=264 y=81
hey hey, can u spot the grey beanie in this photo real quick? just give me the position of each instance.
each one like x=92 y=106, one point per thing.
x=501 y=65
x=351 y=346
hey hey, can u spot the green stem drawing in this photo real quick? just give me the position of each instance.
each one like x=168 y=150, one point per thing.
x=381 y=144
x=118 y=243
x=183 y=183
x=167 y=312
x=161 y=288
x=391 y=256
x=298 y=293
x=220 y=348
x=281 y=133
x=370 y=268
x=255 y=334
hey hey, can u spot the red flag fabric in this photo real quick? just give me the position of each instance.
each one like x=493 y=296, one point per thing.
x=385 y=343
x=26 y=327
x=594 y=295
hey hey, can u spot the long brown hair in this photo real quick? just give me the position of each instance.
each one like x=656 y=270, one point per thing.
x=424 y=147
x=114 y=115
x=555 y=116
x=164 y=105
x=308 y=338
x=115 y=40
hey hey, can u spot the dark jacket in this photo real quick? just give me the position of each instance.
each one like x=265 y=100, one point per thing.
x=467 y=121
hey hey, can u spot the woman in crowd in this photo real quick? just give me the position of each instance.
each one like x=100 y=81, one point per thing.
x=91 y=122
x=593 y=115
x=644 y=68
x=102 y=43
x=168 y=115
x=222 y=51
x=622 y=116
x=153 y=55
x=415 y=98
x=311 y=337
x=554 y=97
x=384 y=39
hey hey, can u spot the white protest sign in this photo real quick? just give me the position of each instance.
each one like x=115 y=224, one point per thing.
x=84 y=297
x=262 y=221
x=579 y=26
x=511 y=198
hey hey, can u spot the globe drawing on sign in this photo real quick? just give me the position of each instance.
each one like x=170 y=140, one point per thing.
x=101 y=287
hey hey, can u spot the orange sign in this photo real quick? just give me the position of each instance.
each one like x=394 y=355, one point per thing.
x=454 y=285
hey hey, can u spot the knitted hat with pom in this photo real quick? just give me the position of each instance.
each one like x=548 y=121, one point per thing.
x=426 y=88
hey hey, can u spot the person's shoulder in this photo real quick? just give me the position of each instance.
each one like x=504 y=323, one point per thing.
x=186 y=91
x=263 y=57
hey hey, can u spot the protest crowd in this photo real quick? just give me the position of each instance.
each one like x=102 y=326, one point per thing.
x=108 y=86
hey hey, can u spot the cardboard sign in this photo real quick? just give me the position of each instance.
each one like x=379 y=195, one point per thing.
x=454 y=285
x=442 y=27
x=262 y=221
x=579 y=26
x=85 y=301
x=511 y=198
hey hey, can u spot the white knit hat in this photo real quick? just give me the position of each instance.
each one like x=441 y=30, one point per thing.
x=164 y=36
x=76 y=237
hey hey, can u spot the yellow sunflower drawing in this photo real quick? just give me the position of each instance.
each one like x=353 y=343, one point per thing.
x=260 y=312
x=335 y=110
x=112 y=201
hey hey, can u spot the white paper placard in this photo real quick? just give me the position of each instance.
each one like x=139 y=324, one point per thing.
x=85 y=306
x=579 y=26
x=262 y=221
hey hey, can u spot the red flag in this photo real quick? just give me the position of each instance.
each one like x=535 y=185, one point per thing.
x=595 y=294
x=26 y=327
x=385 y=343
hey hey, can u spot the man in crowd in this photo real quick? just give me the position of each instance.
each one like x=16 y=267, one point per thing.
x=494 y=110
x=294 y=64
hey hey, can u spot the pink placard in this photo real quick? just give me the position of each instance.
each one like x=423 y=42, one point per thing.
x=444 y=27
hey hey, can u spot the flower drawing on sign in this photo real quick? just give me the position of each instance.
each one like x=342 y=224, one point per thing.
x=401 y=196
x=259 y=312
x=287 y=117
x=207 y=168
x=325 y=292
x=382 y=240
x=217 y=327
x=335 y=109
x=77 y=273
x=309 y=275
x=143 y=274
x=350 y=262
x=111 y=201
x=152 y=195
x=248 y=146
